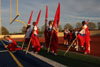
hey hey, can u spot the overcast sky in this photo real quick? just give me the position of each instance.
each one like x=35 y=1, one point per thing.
x=72 y=11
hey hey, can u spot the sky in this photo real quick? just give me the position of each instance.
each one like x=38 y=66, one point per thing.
x=72 y=11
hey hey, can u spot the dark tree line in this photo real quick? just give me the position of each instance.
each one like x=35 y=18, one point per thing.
x=4 y=31
x=91 y=26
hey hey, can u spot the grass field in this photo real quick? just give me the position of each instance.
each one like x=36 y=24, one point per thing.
x=72 y=59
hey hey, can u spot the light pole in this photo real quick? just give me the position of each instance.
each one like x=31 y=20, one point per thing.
x=0 y=20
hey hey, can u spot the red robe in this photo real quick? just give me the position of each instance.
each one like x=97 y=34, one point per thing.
x=87 y=40
x=70 y=35
x=81 y=40
x=35 y=42
x=48 y=34
x=65 y=36
x=13 y=46
x=27 y=40
x=54 y=42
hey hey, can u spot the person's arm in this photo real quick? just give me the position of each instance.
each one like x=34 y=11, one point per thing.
x=66 y=31
x=6 y=46
x=54 y=28
x=87 y=21
x=57 y=30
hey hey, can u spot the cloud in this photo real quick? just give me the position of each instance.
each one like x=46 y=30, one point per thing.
x=91 y=18
x=83 y=8
x=71 y=11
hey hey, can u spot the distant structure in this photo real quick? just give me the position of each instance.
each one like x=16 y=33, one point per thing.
x=15 y=19
x=0 y=20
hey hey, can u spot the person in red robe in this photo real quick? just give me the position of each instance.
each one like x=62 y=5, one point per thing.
x=84 y=37
x=87 y=38
x=34 y=39
x=52 y=38
x=12 y=45
x=54 y=41
x=70 y=36
x=49 y=33
x=66 y=31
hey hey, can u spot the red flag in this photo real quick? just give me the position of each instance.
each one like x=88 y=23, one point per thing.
x=38 y=17
x=30 y=17
x=58 y=15
x=46 y=15
x=55 y=19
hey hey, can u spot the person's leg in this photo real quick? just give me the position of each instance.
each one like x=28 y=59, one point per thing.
x=81 y=40
x=55 y=49
x=76 y=47
x=38 y=49
x=51 y=48
x=66 y=41
x=87 y=48
x=33 y=44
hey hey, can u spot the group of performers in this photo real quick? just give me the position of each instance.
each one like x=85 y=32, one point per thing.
x=31 y=34
x=50 y=33
x=51 y=39
x=81 y=37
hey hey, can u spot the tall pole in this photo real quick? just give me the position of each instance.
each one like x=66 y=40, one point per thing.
x=10 y=10
x=0 y=20
x=17 y=7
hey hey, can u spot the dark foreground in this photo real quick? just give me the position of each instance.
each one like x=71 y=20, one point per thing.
x=26 y=60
